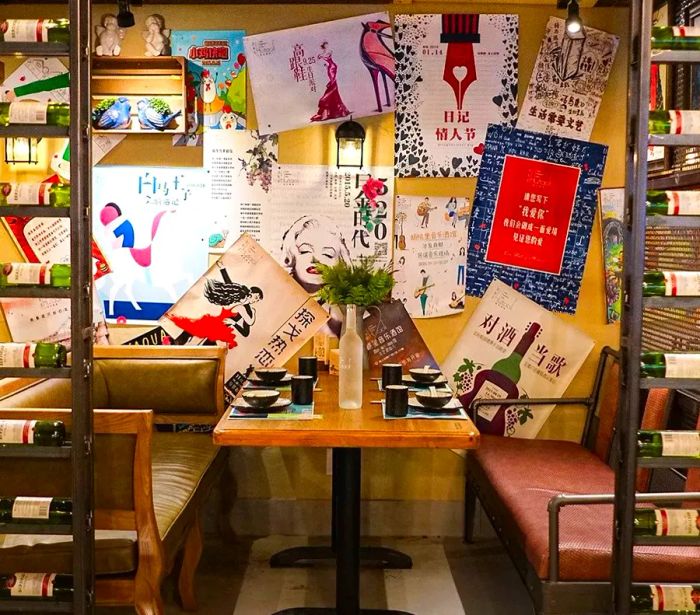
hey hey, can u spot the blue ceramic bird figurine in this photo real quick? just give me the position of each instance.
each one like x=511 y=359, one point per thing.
x=155 y=113
x=116 y=115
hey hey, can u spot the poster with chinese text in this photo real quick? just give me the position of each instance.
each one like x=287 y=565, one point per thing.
x=532 y=216
x=430 y=261
x=152 y=224
x=248 y=302
x=612 y=209
x=241 y=166
x=215 y=81
x=507 y=324
x=325 y=72
x=568 y=81
x=458 y=74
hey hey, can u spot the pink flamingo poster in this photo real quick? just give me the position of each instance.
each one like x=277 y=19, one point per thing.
x=324 y=72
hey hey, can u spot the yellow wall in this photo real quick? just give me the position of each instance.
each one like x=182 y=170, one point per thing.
x=417 y=474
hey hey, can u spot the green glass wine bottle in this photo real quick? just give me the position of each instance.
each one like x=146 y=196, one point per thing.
x=671 y=284
x=673 y=203
x=41 y=354
x=35 y=510
x=35 y=31
x=54 y=195
x=668 y=443
x=666 y=522
x=35 y=274
x=679 y=599
x=32 y=112
x=39 y=433
x=36 y=586
x=677 y=37
x=674 y=122
x=670 y=365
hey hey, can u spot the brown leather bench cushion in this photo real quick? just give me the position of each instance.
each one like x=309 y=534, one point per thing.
x=185 y=465
x=523 y=476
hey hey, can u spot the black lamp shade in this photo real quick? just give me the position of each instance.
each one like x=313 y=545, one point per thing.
x=350 y=137
x=125 y=18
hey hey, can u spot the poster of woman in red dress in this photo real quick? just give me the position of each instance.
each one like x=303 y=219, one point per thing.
x=330 y=105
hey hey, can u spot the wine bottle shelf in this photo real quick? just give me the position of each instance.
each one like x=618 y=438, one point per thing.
x=669 y=383
x=34 y=452
x=48 y=292
x=674 y=140
x=38 y=131
x=684 y=303
x=675 y=221
x=36 y=528
x=35 y=606
x=33 y=49
x=35 y=211
x=35 y=372
x=667 y=540
x=668 y=56
x=668 y=462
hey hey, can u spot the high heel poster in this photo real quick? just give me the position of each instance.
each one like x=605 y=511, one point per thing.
x=458 y=73
x=323 y=72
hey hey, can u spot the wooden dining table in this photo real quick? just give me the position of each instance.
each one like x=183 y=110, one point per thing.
x=347 y=432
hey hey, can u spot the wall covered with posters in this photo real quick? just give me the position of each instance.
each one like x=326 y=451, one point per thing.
x=315 y=145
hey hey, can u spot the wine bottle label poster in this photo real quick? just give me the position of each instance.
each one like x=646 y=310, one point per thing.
x=216 y=81
x=612 y=209
x=323 y=72
x=249 y=303
x=513 y=348
x=568 y=81
x=532 y=216
x=153 y=225
x=458 y=73
x=430 y=261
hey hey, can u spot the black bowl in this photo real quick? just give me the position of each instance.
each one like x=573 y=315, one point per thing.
x=423 y=375
x=438 y=400
x=271 y=374
x=261 y=398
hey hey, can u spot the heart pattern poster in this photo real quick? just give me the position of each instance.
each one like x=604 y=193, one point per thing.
x=457 y=73
x=323 y=72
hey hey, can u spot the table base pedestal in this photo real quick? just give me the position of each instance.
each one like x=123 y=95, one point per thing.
x=313 y=610
x=370 y=557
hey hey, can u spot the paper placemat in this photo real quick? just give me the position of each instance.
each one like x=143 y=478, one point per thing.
x=293 y=412
x=415 y=412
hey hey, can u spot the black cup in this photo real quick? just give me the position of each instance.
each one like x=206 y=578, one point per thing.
x=396 y=400
x=391 y=374
x=302 y=390
x=308 y=366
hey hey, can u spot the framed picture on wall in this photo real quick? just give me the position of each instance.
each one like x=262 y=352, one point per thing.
x=658 y=158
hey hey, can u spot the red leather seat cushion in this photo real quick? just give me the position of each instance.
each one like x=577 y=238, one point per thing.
x=524 y=476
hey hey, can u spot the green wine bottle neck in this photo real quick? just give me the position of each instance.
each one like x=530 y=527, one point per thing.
x=41 y=433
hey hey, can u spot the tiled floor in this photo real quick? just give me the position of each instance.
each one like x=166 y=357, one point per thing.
x=448 y=578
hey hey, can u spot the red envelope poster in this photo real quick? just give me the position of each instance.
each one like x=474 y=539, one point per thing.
x=533 y=213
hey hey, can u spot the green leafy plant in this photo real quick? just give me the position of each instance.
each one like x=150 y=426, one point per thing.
x=160 y=106
x=360 y=282
x=101 y=107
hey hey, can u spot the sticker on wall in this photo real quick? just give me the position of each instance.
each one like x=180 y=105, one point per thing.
x=532 y=215
x=612 y=208
x=507 y=325
x=322 y=72
x=152 y=224
x=430 y=243
x=216 y=81
x=568 y=81
x=458 y=73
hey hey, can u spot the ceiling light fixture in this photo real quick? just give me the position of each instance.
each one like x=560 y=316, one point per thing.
x=574 y=25
x=125 y=18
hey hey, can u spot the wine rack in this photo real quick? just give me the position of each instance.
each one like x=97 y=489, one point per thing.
x=634 y=304
x=80 y=449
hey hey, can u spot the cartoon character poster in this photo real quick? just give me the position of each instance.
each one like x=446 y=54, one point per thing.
x=612 y=209
x=507 y=324
x=152 y=224
x=323 y=72
x=532 y=215
x=246 y=301
x=568 y=81
x=430 y=254
x=458 y=74
x=216 y=81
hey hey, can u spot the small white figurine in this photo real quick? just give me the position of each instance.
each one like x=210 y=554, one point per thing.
x=156 y=36
x=109 y=34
